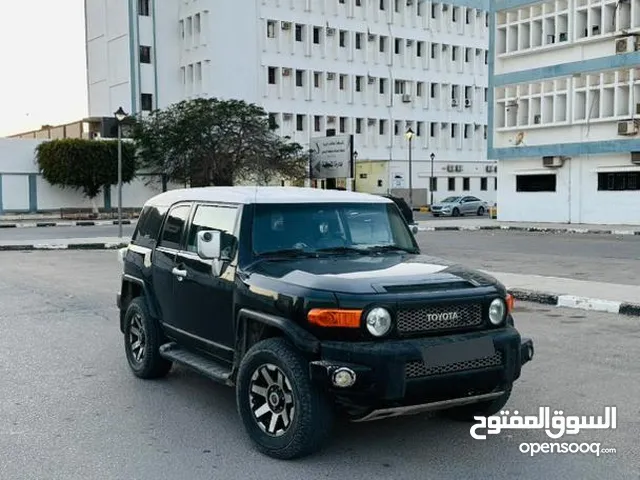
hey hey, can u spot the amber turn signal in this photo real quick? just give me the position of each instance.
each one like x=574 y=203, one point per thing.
x=511 y=302
x=336 y=318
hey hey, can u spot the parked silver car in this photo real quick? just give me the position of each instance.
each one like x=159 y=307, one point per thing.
x=456 y=206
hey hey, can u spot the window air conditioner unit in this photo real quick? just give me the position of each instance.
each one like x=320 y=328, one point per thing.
x=371 y=37
x=331 y=32
x=409 y=43
x=626 y=44
x=552 y=162
x=537 y=119
x=406 y=98
x=331 y=76
x=286 y=25
x=454 y=102
x=287 y=116
x=331 y=119
x=371 y=80
x=409 y=3
x=467 y=102
x=562 y=37
x=628 y=127
x=450 y=168
x=458 y=168
x=445 y=7
x=286 y=72
x=371 y=121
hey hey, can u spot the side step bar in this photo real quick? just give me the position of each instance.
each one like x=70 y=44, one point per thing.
x=426 y=407
x=203 y=365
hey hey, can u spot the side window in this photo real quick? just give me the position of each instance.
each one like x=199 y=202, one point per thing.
x=148 y=228
x=209 y=217
x=174 y=226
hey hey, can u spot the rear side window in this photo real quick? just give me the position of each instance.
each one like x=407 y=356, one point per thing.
x=149 y=224
x=174 y=226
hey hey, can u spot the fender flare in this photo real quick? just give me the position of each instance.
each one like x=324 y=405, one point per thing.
x=300 y=338
x=146 y=294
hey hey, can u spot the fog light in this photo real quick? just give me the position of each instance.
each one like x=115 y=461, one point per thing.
x=344 y=377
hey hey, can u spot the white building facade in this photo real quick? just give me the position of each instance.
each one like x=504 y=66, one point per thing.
x=564 y=110
x=370 y=68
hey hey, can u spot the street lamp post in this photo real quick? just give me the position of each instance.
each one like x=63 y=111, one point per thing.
x=432 y=156
x=120 y=116
x=409 y=134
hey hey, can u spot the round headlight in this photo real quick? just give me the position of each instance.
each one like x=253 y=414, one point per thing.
x=497 y=311
x=378 y=322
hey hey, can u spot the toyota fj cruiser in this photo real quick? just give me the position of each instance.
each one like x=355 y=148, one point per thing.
x=312 y=303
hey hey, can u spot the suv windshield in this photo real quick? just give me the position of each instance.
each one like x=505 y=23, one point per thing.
x=333 y=228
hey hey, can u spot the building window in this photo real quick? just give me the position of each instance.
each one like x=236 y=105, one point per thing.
x=467 y=16
x=358 y=41
x=419 y=88
x=299 y=32
x=383 y=43
x=536 y=183
x=145 y=54
x=451 y=183
x=316 y=123
x=316 y=79
x=146 y=102
x=299 y=78
x=272 y=76
x=419 y=48
x=465 y=184
x=382 y=86
x=343 y=124
x=358 y=125
x=433 y=90
x=343 y=38
x=382 y=127
x=434 y=50
x=143 y=8
x=300 y=123
x=432 y=128
x=483 y=184
x=359 y=83
x=619 y=181
x=271 y=29
x=397 y=46
x=343 y=81
x=316 y=35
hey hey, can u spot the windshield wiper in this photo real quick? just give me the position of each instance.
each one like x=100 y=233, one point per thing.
x=388 y=248
x=287 y=252
x=342 y=250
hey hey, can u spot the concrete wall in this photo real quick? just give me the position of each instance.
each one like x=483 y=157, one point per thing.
x=22 y=188
x=576 y=199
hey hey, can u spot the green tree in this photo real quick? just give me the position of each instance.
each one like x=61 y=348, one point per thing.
x=85 y=165
x=215 y=142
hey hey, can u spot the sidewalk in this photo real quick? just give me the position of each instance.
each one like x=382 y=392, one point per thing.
x=561 y=292
x=470 y=224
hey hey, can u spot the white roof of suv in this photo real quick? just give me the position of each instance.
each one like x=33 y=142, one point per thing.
x=248 y=195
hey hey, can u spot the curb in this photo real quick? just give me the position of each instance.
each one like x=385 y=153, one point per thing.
x=573 y=301
x=77 y=223
x=63 y=246
x=528 y=229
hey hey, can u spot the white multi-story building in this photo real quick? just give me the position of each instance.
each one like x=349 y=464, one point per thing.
x=565 y=110
x=371 y=68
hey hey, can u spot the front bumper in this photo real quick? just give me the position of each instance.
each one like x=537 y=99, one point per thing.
x=394 y=373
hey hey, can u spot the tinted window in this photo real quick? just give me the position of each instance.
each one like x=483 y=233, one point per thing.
x=148 y=227
x=174 y=226
x=209 y=217
x=536 y=183
x=311 y=227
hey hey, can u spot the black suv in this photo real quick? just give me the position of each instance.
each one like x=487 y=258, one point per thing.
x=312 y=304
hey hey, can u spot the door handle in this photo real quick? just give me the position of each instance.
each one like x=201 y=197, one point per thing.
x=179 y=273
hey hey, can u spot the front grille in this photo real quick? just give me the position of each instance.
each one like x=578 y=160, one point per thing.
x=439 y=317
x=417 y=368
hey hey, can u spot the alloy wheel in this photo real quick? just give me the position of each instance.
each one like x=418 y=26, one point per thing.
x=271 y=400
x=137 y=338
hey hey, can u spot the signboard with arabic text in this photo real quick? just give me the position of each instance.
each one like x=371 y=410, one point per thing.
x=331 y=157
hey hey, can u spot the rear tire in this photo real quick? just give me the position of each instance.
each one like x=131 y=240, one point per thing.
x=142 y=340
x=284 y=414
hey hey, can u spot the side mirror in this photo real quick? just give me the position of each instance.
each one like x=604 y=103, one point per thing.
x=209 y=244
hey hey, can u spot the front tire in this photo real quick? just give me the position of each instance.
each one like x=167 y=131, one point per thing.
x=455 y=212
x=480 y=211
x=285 y=415
x=142 y=340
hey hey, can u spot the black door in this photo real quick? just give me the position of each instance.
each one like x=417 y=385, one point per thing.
x=207 y=299
x=163 y=264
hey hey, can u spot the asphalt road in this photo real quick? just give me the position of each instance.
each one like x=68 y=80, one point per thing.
x=70 y=409
x=592 y=257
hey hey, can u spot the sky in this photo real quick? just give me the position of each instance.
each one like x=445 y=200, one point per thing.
x=42 y=64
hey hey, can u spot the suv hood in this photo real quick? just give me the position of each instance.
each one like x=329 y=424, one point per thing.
x=370 y=274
